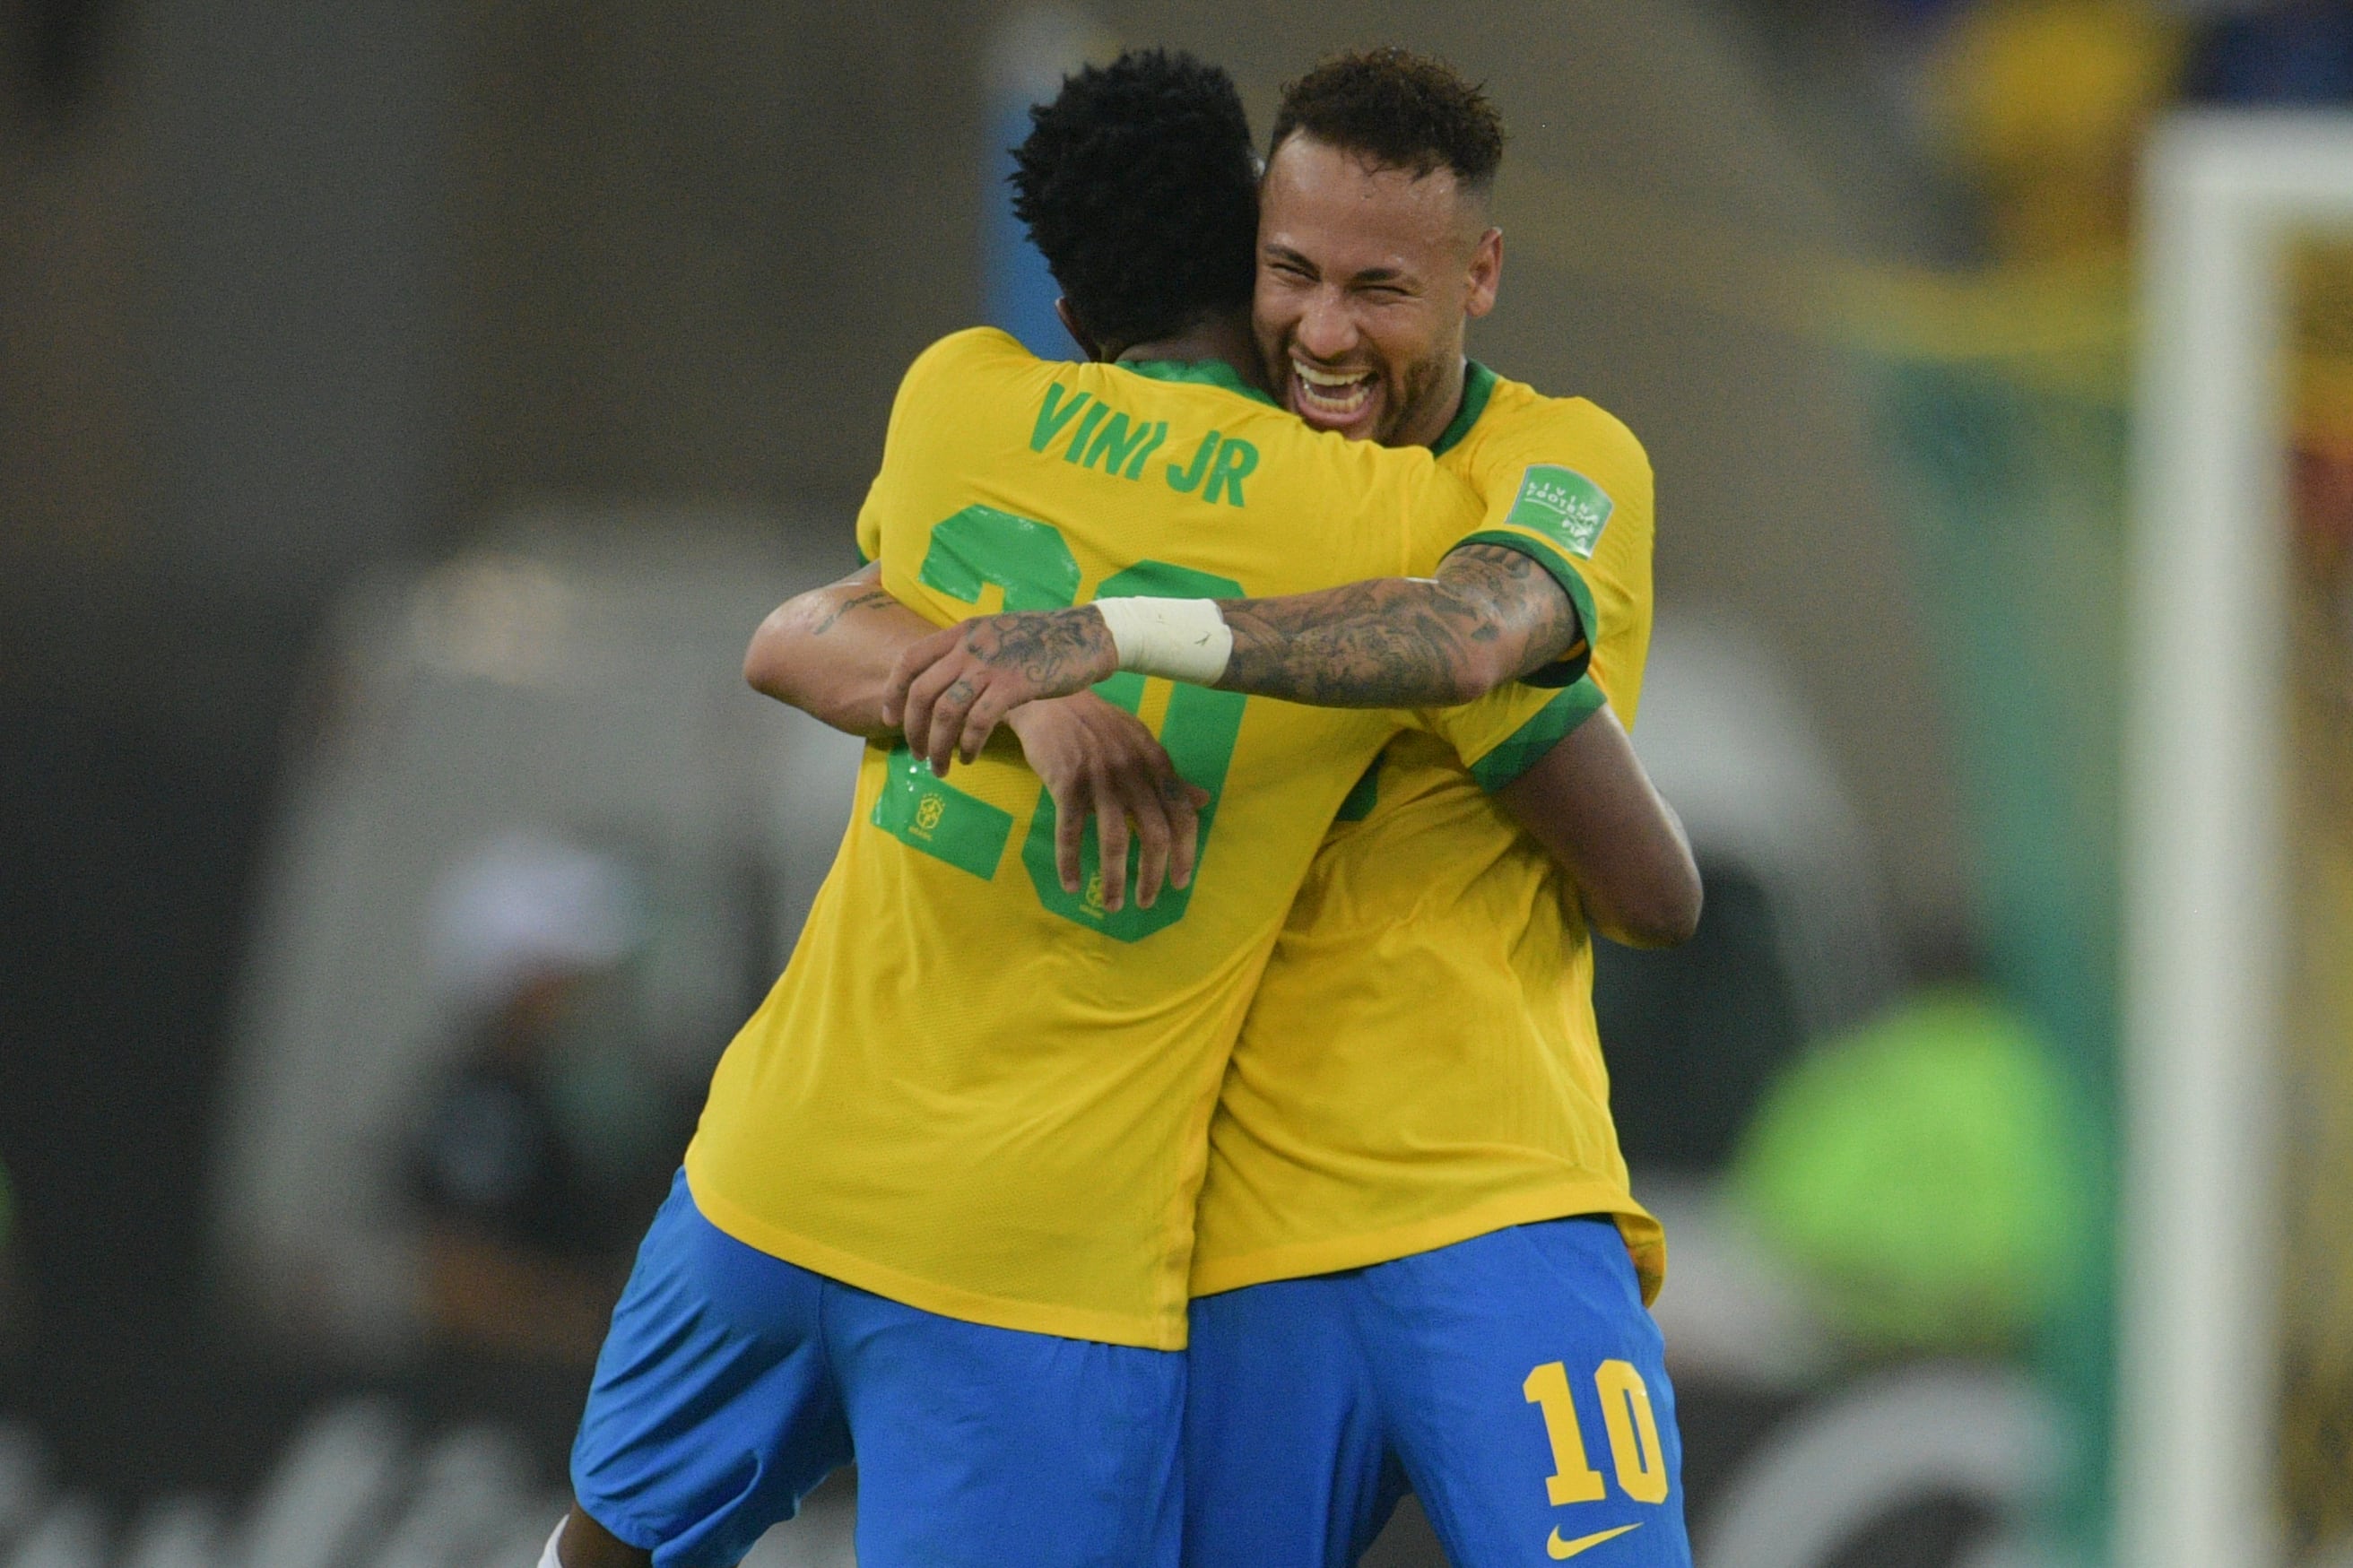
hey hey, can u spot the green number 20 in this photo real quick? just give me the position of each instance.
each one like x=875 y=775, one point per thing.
x=1033 y=564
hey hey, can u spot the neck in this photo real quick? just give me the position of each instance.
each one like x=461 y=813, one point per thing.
x=1428 y=422
x=1221 y=336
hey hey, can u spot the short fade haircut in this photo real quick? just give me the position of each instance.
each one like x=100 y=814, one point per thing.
x=1139 y=185
x=1398 y=110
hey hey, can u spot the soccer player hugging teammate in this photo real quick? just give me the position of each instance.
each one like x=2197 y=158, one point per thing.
x=1417 y=1262
x=938 y=1214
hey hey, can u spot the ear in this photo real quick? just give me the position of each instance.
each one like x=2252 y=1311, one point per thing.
x=1486 y=273
x=1079 y=334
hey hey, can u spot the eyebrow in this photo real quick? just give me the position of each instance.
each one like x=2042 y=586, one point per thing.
x=1369 y=275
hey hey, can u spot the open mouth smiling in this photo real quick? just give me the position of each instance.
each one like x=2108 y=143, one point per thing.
x=1329 y=396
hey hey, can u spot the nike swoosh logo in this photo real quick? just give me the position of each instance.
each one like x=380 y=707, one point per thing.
x=1556 y=1549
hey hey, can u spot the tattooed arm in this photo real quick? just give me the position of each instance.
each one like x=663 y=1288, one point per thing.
x=830 y=651
x=863 y=630
x=1491 y=615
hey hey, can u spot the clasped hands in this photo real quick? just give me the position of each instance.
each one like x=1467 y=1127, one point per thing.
x=1031 y=670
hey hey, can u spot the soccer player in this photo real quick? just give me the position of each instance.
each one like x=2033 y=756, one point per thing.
x=938 y=1212
x=1418 y=1262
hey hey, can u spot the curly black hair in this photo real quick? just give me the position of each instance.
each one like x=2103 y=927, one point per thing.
x=1401 y=111
x=1140 y=188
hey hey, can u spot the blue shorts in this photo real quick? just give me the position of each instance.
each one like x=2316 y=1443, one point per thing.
x=1513 y=1383
x=732 y=1383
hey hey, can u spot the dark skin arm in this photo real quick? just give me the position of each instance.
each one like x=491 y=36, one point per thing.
x=1589 y=801
x=1491 y=615
x=829 y=652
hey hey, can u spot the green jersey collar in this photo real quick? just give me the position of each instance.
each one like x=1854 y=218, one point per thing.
x=1478 y=385
x=1207 y=371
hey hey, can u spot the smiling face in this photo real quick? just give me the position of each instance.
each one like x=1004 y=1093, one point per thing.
x=1366 y=278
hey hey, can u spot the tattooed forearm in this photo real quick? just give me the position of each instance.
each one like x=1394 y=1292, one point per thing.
x=829 y=651
x=872 y=598
x=1490 y=615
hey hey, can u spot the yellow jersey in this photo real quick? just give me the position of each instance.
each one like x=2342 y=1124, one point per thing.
x=972 y=1091
x=1421 y=1064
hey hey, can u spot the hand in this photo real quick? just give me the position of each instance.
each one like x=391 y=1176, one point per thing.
x=1098 y=760
x=949 y=691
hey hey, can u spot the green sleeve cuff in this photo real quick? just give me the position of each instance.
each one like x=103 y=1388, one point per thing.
x=1576 y=703
x=1570 y=669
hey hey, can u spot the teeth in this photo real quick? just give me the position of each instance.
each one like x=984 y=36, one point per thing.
x=1315 y=377
x=1337 y=395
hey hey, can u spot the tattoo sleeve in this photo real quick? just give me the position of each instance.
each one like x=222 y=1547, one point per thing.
x=1490 y=615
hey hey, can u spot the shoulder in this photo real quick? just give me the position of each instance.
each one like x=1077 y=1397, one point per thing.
x=1523 y=424
x=973 y=352
x=945 y=398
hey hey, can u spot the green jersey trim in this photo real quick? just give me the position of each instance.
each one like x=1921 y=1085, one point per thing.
x=1478 y=385
x=1552 y=724
x=1566 y=671
x=1201 y=371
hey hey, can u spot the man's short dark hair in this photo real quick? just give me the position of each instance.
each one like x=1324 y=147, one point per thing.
x=1399 y=110
x=1139 y=187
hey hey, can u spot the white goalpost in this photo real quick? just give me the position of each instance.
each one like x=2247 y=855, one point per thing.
x=2205 y=926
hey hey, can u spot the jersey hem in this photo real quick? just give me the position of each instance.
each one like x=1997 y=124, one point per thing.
x=1645 y=1242
x=929 y=1296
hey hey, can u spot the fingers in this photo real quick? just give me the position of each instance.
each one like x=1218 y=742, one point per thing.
x=947 y=716
x=989 y=709
x=912 y=663
x=1069 y=840
x=931 y=697
x=915 y=711
x=1152 y=832
x=1097 y=761
x=1110 y=835
x=937 y=701
x=1184 y=805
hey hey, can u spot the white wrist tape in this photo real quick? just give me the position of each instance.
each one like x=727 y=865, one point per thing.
x=1178 y=639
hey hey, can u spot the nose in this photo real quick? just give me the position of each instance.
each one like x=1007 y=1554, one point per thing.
x=1325 y=331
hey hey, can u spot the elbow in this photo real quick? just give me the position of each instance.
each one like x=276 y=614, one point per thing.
x=1676 y=923
x=763 y=665
x=1665 y=916
x=1480 y=669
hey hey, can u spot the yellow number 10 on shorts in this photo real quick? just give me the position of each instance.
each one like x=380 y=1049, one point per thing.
x=1634 y=1448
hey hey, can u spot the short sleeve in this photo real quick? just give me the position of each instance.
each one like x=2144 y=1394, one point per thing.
x=1567 y=485
x=870 y=525
x=1619 y=575
x=1502 y=734
x=1441 y=509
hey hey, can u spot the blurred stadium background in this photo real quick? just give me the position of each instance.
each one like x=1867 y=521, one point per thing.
x=407 y=411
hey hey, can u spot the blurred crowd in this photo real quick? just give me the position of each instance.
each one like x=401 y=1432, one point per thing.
x=2035 y=109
